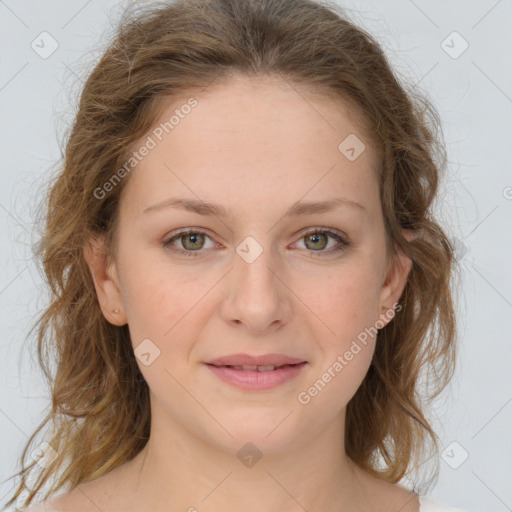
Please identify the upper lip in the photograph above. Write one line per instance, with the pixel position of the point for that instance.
(248, 360)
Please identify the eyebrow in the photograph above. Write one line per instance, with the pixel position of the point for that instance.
(297, 209)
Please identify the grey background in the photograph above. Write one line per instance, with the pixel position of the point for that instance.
(473, 94)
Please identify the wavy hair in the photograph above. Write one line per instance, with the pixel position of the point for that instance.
(100, 408)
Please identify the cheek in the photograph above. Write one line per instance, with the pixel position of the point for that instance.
(158, 308)
(152, 298)
(162, 311)
(347, 301)
(166, 303)
(348, 307)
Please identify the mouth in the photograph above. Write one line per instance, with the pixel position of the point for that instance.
(257, 368)
(256, 378)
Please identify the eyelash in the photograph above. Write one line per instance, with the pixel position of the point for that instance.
(342, 242)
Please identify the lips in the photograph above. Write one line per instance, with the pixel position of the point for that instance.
(254, 367)
(263, 378)
(266, 362)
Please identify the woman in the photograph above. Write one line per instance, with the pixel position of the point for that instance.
(248, 280)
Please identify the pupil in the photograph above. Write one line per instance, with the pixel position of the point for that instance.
(315, 238)
(192, 240)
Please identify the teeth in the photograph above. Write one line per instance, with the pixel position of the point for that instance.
(266, 368)
(254, 367)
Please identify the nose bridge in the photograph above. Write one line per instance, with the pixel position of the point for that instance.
(256, 298)
(254, 265)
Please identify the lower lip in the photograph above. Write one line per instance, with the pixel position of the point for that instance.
(255, 380)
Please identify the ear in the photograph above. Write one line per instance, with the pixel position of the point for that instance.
(396, 278)
(106, 283)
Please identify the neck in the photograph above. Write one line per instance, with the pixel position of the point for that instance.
(182, 471)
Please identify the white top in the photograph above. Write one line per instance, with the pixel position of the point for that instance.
(426, 505)
(429, 505)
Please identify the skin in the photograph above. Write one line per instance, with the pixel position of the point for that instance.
(256, 147)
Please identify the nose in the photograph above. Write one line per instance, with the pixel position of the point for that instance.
(256, 294)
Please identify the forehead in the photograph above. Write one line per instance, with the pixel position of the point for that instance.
(245, 137)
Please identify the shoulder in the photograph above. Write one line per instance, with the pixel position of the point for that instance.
(428, 504)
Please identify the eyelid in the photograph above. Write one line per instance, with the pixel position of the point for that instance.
(323, 229)
(342, 239)
(185, 231)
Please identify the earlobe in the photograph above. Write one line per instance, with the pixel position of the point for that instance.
(105, 280)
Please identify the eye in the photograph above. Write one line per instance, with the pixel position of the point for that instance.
(316, 240)
(192, 241)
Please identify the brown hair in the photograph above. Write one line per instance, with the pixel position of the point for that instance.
(100, 411)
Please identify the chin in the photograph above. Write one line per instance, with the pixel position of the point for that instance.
(268, 436)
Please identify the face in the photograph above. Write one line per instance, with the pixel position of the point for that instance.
(263, 273)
